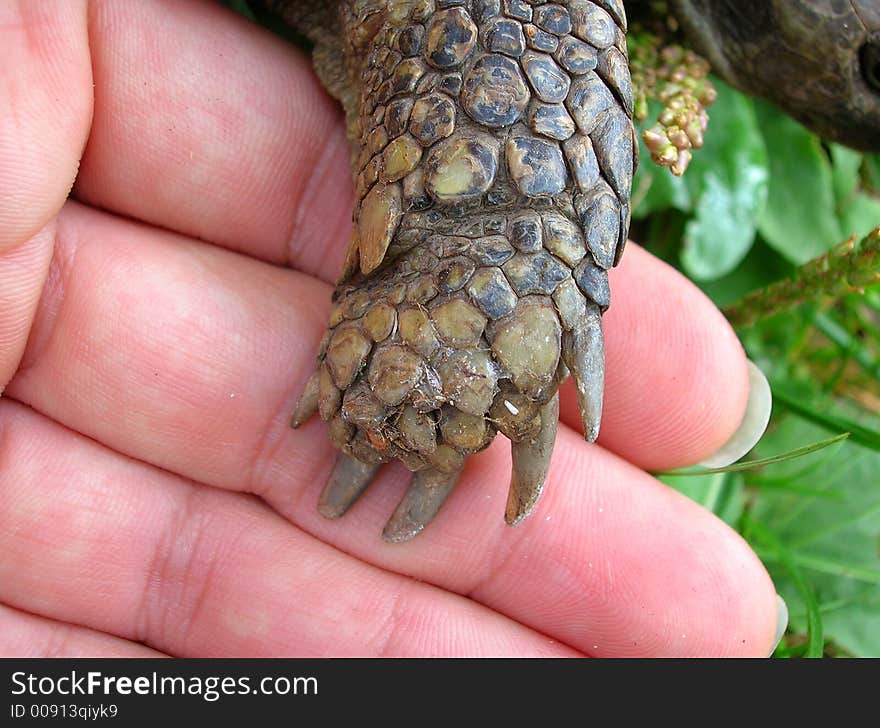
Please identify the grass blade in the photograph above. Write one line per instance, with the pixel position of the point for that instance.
(761, 462)
(815, 632)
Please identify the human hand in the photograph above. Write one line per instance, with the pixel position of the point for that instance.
(157, 328)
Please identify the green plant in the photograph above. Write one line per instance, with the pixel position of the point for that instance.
(757, 222)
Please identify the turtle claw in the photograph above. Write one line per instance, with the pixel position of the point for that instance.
(420, 503)
(531, 460)
(307, 404)
(584, 352)
(347, 482)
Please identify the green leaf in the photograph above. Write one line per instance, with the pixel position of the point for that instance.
(861, 215)
(728, 181)
(723, 494)
(761, 267)
(774, 545)
(817, 411)
(872, 171)
(240, 6)
(845, 167)
(859, 211)
(800, 218)
(823, 552)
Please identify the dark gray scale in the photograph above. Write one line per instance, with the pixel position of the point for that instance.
(613, 67)
(460, 168)
(530, 273)
(536, 166)
(588, 98)
(451, 36)
(550, 82)
(482, 10)
(506, 36)
(582, 161)
(410, 39)
(575, 56)
(491, 250)
(593, 281)
(397, 116)
(539, 39)
(495, 224)
(432, 118)
(599, 213)
(525, 232)
(447, 246)
(518, 9)
(450, 83)
(623, 229)
(471, 228)
(501, 196)
(616, 10)
(551, 120)
(553, 18)
(495, 92)
(594, 25)
(404, 79)
(613, 142)
(490, 290)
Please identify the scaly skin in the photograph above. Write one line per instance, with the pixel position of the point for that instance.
(493, 160)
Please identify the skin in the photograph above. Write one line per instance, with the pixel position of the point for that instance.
(157, 326)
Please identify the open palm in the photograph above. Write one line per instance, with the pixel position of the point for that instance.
(158, 325)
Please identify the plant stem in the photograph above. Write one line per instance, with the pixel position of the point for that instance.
(847, 268)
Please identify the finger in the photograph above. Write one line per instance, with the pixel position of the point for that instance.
(26, 635)
(92, 537)
(209, 125)
(45, 94)
(124, 379)
(611, 562)
(676, 375)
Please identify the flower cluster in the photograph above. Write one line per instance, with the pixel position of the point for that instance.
(677, 78)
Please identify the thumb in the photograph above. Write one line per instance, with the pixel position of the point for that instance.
(45, 113)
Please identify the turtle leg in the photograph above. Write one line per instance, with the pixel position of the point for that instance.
(347, 482)
(427, 492)
(531, 460)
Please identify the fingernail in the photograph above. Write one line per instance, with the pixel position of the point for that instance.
(753, 424)
(781, 622)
